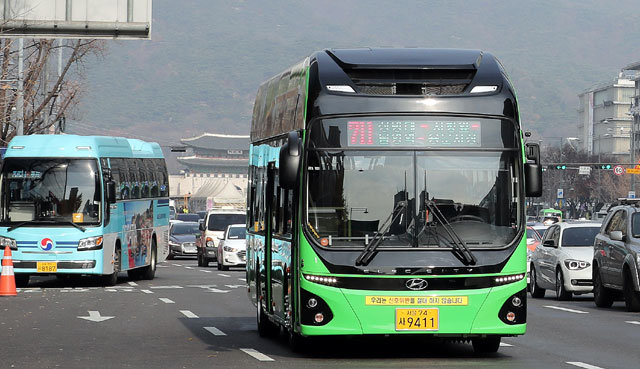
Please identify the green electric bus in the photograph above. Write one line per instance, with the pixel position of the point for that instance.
(386, 197)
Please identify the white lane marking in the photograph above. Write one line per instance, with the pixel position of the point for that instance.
(224, 275)
(132, 283)
(583, 365)
(110, 290)
(188, 314)
(215, 331)
(129, 289)
(76, 289)
(502, 344)
(234, 285)
(188, 267)
(217, 290)
(257, 355)
(566, 309)
(176, 265)
(242, 279)
(162, 266)
(205, 271)
(205, 286)
(146, 291)
(166, 287)
(632, 322)
(166, 300)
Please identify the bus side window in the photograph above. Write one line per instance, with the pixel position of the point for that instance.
(163, 180)
(134, 178)
(146, 171)
(125, 191)
(116, 166)
(154, 190)
(277, 227)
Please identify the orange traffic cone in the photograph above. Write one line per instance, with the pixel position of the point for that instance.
(7, 279)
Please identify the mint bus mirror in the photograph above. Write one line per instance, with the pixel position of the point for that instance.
(290, 161)
(111, 192)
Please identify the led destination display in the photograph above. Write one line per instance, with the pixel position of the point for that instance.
(436, 133)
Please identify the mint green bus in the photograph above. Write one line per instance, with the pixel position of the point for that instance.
(386, 197)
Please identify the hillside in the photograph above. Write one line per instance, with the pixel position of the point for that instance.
(207, 57)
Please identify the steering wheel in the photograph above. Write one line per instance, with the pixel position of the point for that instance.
(460, 218)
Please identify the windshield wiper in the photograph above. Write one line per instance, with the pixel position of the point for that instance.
(460, 248)
(45, 221)
(378, 237)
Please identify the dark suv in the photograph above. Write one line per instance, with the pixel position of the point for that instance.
(616, 257)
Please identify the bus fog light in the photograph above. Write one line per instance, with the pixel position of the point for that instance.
(511, 316)
(516, 301)
(319, 318)
(311, 303)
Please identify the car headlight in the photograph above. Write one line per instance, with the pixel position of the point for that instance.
(210, 242)
(172, 243)
(90, 243)
(6, 241)
(638, 260)
(229, 249)
(576, 264)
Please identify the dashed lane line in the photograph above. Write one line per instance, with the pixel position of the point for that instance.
(242, 279)
(205, 271)
(176, 265)
(224, 275)
(502, 344)
(188, 268)
(146, 291)
(566, 309)
(166, 300)
(189, 314)
(583, 365)
(256, 354)
(632, 322)
(215, 331)
(132, 283)
(165, 287)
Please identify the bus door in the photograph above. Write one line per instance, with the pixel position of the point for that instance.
(276, 262)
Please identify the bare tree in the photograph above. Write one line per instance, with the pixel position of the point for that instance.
(48, 97)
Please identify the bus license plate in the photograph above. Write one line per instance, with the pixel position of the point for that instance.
(47, 266)
(417, 319)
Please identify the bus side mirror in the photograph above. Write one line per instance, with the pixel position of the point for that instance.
(202, 227)
(290, 154)
(111, 192)
(533, 171)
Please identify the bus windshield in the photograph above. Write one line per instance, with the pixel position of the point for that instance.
(50, 191)
(358, 190)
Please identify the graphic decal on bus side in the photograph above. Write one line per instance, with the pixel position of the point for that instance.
(138, 231)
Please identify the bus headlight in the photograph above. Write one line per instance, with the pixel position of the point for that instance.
(6, 241)
(90, 243)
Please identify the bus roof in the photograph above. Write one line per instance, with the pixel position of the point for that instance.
(81, 146)
(384, 80)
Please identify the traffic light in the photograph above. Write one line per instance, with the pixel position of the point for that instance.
(605, 166)
(561, 167)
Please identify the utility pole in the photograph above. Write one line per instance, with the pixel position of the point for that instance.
(20, 99)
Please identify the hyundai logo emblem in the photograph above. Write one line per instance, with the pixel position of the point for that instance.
(416, 284)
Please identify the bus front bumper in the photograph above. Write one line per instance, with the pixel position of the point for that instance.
(468, 313)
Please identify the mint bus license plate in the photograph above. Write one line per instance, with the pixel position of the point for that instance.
(417, 319)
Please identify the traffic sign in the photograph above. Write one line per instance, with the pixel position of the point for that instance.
(584, 169)
(618, 170)
(560, 193)
(633, 171)
(632, 195)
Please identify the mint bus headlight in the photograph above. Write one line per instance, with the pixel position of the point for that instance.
(6, 241)
(90, 243)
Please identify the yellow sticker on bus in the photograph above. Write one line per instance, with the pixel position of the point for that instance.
(417, 300)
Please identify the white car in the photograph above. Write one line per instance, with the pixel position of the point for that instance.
(232, 248)
(563, 261)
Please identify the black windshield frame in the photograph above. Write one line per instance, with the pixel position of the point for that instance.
(80, 202)
(511, 149)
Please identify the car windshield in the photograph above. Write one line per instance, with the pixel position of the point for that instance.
(220, 221)
(532, 235)
(50, 191)
(185, 228)
(579, 236)
(187, 217)
(236, 233)
(353, 192)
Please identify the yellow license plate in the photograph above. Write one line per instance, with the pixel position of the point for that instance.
(47, 267)
(417, 319)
